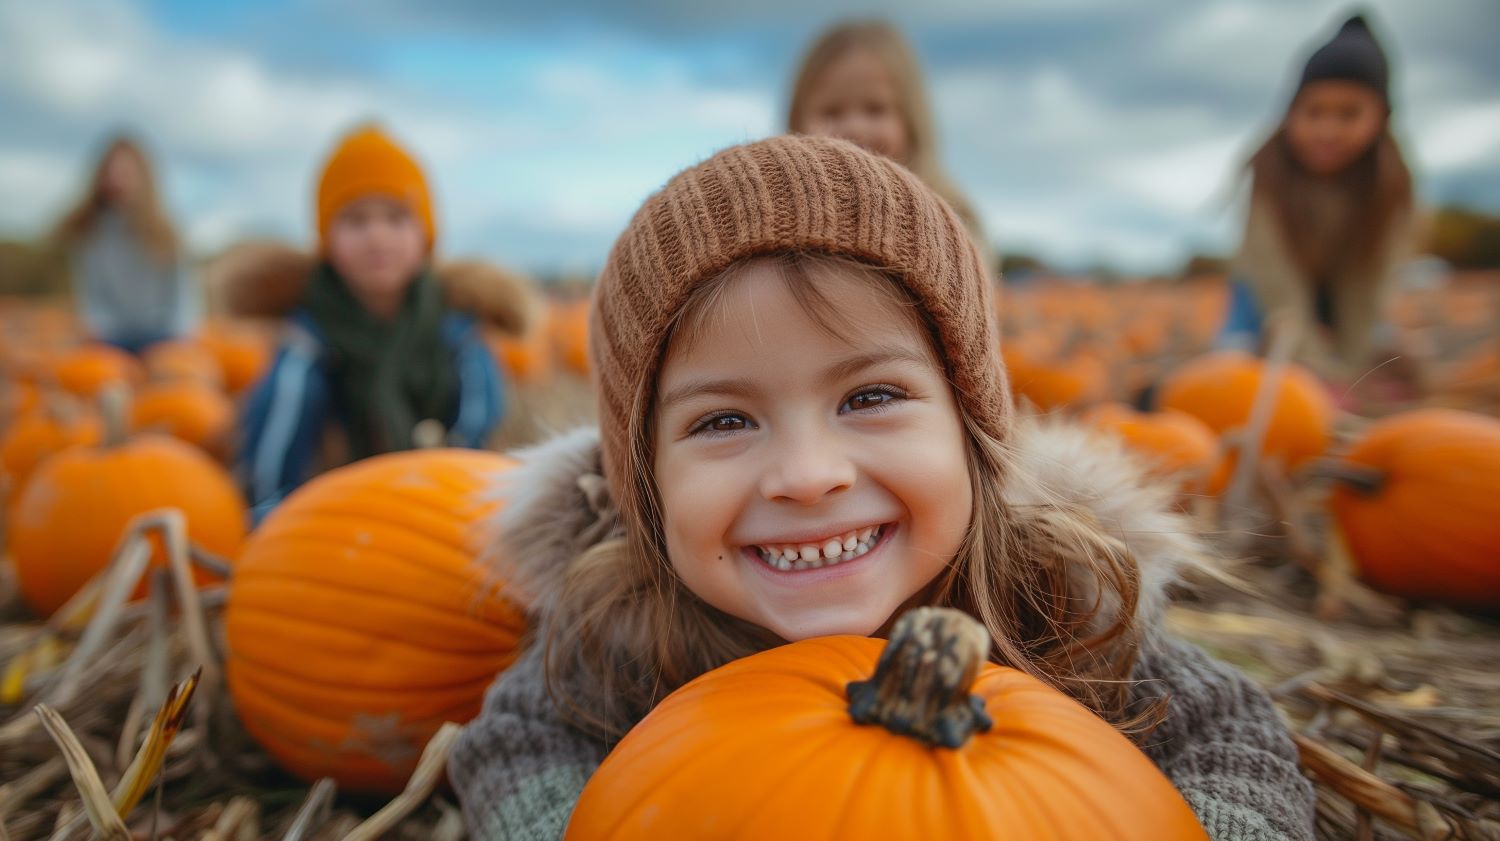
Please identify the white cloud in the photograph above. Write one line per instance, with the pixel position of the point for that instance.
(1059, 153)
(1462, 137)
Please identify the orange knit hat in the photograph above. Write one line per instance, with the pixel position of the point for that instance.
(368, 162)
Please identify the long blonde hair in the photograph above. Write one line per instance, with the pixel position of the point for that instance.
(886, 44)
(1056, 592)
(144, 212)
(1377, 188)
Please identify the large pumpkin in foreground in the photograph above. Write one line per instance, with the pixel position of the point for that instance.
(769, 747)
(1418, 502)
(1220, 388)
(359, 620)
(76, 505)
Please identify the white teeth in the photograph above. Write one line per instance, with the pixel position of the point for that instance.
(809, 556)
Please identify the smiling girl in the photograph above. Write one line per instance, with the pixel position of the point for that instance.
(1331, 214)
(804, 430)
(860, 81)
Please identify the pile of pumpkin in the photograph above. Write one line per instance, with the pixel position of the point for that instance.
(1070, 343)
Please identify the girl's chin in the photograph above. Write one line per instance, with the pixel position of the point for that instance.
(812, 628)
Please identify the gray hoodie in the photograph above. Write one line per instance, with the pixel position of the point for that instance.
(126, 293)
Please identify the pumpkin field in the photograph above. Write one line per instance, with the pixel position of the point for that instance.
(166, 672)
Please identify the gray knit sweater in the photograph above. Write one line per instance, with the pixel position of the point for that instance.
(519, 768)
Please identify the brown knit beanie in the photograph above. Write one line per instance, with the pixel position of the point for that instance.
(786, 193)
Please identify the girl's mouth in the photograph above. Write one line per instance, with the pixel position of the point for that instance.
(827, 553)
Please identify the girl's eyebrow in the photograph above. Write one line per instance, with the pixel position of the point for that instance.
(696, 388)
(884, 355)
(748, 389)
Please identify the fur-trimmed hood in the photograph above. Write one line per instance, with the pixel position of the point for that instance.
(558, 505)
(266, 279)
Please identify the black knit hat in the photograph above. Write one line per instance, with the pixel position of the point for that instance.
(1353, 55)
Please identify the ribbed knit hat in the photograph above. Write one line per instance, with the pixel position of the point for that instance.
(368, 162)
(786, 193)
(1353, 55)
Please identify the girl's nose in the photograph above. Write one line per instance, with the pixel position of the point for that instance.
(806, 471)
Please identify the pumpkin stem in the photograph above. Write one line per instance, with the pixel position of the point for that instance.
(114, 405)
(1364, 480)
(922, 680)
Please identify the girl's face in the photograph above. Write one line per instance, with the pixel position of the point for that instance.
(810, 483)
(1332, 123)
(377, 246)
(855, 99)
(122, 178)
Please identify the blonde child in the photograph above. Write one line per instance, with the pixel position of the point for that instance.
(804, 429)
(1331, 215)
(129, 280)
(860, 81)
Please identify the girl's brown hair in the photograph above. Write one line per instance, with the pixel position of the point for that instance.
(143, 211)
(1377, 188)
(1056, 592)
(887, 45)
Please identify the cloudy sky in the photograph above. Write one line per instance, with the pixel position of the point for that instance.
(1088, 131)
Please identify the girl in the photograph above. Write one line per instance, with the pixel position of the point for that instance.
(374, 342)
(860, 81)
(128, 277)
(1331, 216)
(804, 430)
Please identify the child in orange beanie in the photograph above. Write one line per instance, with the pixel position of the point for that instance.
(373, 343)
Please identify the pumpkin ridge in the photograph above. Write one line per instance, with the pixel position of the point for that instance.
(314, 535)
(269, 699)
(369, 594)
(270, 617)
(272, 680)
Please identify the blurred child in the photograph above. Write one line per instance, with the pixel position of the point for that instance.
(804, 430)
(128, 276)
(860, 81)
(374, 344)
(1331, 215)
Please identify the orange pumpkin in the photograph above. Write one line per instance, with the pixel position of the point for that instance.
(64, 526)
(243, 353)
(1220, 388)
(19, 399)
(1076, 381)
(772, 746)
(189, 410)
(88, 369)
(1174, 443)
(182, 360)
(40, 433)
(570, 333)
(528, 358)
(358, 620)
(1418, 508)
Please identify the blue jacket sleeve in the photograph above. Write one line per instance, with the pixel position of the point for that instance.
(481, 399)
(1242, 325)
(282, 425)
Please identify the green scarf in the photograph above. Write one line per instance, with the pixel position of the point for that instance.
(387, 375)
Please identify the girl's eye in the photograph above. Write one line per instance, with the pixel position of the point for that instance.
(719, 424)
(875, 398)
